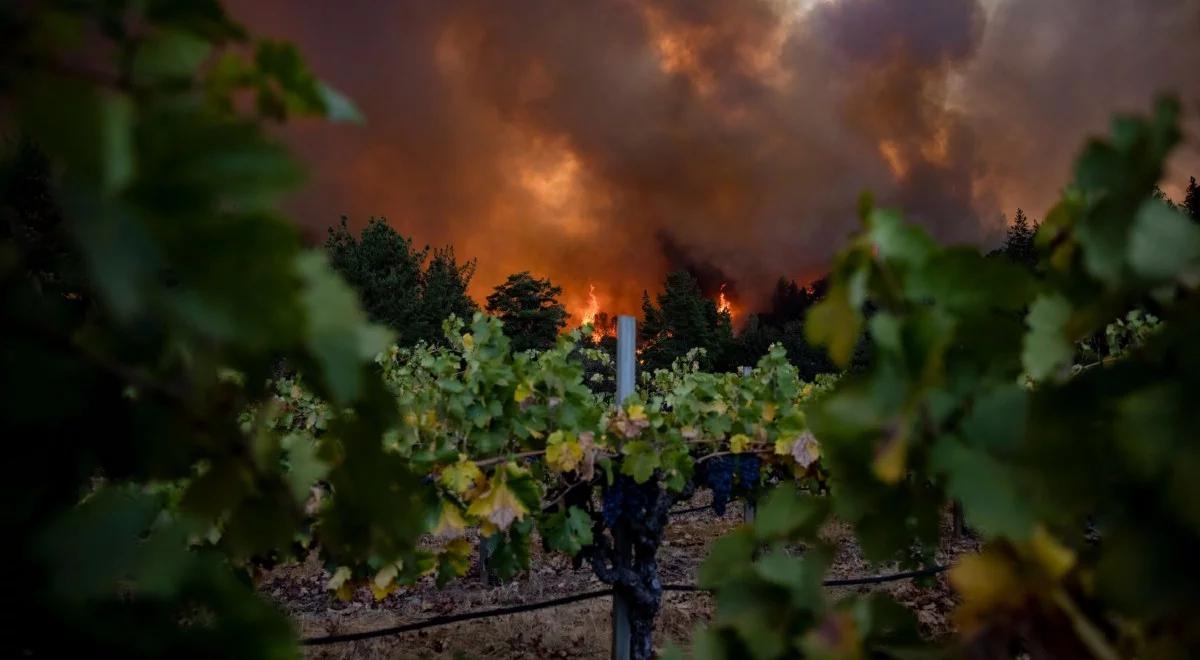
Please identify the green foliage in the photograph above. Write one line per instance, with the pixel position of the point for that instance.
(567, 531)
(147, 286)
(474, 412)
(681, 320)
(1080, 479)
(411, 291)
(783, 324)
(529, 309)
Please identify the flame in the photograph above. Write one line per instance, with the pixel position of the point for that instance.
(591, 315)
(593, 307)
(723, 304)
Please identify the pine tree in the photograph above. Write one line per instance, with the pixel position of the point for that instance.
(384, 269)
(1191, 200)
(530, 310)
(399, 286)
(1018, 243)
(652, 320)
(444, 292)
(681, 320)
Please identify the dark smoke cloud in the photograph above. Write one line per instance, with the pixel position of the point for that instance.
(711, 279)
(606, 142)
(1049, 72)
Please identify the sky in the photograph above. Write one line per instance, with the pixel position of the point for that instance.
(607, 142)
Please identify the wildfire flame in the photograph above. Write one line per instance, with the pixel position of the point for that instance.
(723, 304)
(592, 315)
(593, 308)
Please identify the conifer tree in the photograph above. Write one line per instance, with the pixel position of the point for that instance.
(530, 310)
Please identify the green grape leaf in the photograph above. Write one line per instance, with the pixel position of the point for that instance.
(785, 513)
(835, 324)
(170, 54)
(567, 531)
(995, 283)
(730, 555)
(997, 419)
(510, 555)
(641, 460)
(339, 107)
(89, 128)
(1164, 245)
(93, 546)
(337, 329)
(993, 496)
(1047, 347)
(896, 240)
(305, 466)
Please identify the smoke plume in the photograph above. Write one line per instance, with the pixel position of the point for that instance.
(607, 142)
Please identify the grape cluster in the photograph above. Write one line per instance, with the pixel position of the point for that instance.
(612, 505)
(719, 474)
(748, 469)
(625, 497)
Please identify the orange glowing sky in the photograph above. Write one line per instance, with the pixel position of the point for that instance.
(603, 144)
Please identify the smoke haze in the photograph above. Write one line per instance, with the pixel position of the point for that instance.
(608, 142)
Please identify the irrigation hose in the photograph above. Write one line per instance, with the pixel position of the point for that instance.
(575, 598)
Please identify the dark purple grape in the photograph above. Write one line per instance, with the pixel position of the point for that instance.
(748, 468)
(720, 481)
(635, 497)
(612, 499)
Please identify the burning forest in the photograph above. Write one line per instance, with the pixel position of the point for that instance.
(610, 143)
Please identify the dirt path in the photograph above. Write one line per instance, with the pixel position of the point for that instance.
(577, 630)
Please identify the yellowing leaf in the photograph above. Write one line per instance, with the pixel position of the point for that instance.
(768, 412)
(451, 523)
(339, 582)
(463, 477)
(384, 581)
(468, 341)
(636, 411)
(563, 456)
(718, 406)
(499, 505)
(339, 577)
(1055, 558)
(738, 443)
(986, 582)
(805, 449)
(783, 446)
(837, 636)
(523, 392)
(587, 445)
(835, 323)
(890, 460)
(459, 546)
(429, 418)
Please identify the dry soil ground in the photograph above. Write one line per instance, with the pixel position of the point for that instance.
(578, 630)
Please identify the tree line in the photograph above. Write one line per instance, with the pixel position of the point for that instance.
(412, 290)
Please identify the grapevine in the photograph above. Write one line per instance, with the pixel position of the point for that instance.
(987, 386)
(190, 397)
